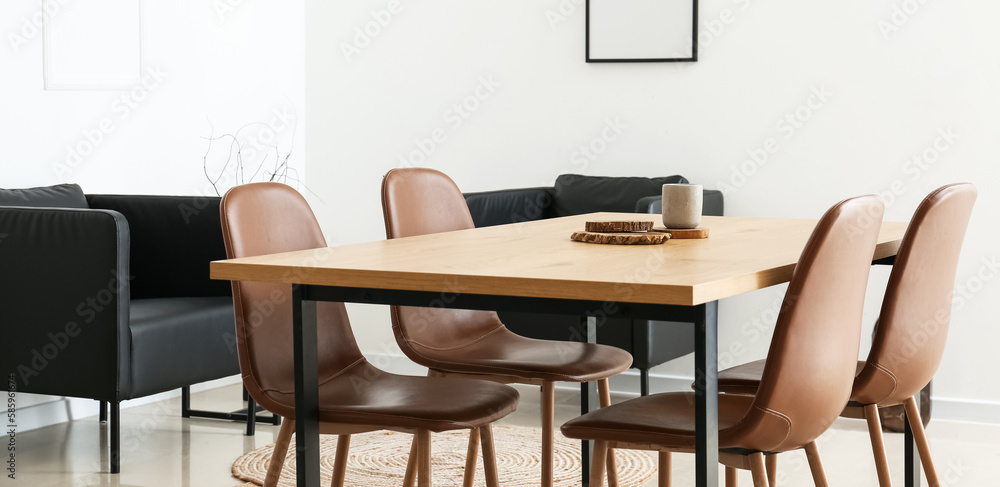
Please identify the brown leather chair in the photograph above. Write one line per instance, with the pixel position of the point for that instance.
(354, 396)
(910, 337)
(807, 376)
(418, 201)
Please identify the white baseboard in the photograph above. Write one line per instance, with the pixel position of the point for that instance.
(44, 411)
(965, 410)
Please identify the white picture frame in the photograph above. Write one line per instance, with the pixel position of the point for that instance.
(642, 31)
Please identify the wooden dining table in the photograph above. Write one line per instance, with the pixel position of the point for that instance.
(534, 266)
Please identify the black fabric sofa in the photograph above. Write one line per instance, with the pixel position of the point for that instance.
(108, 297)
(651, 343)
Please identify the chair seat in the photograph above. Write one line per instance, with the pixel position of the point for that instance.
(503, 352)
(365, 395)
(180, 341)
(741, 379)
(666, 420)
(744, 379)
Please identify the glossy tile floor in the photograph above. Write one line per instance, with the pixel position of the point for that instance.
(161, 449)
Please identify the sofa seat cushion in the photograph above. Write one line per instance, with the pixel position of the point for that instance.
(181, 341)
(576, 194)
(58, 196)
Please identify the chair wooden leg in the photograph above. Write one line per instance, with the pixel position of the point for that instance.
(758, 470)
(920, 436)
(732, 478)
(599, 463)
(279, 453)
(771, 465)
(663, 469)
(548, 425)
(604, 395)
(340, 461)
(471, 456)
(816, 465)
(424, 459)
(489, 456)
(878, 445)
(410, 477)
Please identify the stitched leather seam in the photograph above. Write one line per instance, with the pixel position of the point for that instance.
(892, 377)
(463, 345)
(521, 372)
(384, 415)
(786, 419)
(647, 433)
(227, 235)
(385, 214)
(528, 374)
(345, 370)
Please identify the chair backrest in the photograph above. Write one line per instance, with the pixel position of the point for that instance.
(916, 310)
(420, 201)
(814, 351)
(266, 218)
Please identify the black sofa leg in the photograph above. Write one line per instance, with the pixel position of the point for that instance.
(643, 382)
(186, 402)
(246, 395)
(251, 417)
(116, 437)
(103, 406)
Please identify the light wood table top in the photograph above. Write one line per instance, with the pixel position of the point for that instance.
(538, 259)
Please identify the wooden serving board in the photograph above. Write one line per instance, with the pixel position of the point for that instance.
(636, 238)
(682, 232)
(618, 226)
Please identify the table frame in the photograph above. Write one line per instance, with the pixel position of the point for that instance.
(703, 316)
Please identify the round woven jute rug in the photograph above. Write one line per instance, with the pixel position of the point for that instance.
(379, 459)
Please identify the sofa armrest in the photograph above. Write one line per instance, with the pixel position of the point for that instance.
(504, 206)
(712, 203)
(173, 240)
(65, 312)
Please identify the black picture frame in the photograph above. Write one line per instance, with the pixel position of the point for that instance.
(668, 57)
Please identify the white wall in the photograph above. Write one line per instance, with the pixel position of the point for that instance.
(873, 87)
(225, 62)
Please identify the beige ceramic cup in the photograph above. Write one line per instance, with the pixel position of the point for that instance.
(682, 205)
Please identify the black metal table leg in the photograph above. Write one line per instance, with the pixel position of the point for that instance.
(588, 396)
(706, 380)
(912, 461)
(306, 390)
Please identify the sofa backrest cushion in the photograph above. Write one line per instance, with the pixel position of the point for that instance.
(58, 196)
(576, 194)
(504, 206)
(173, 240)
